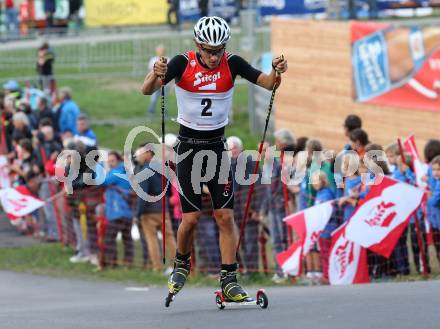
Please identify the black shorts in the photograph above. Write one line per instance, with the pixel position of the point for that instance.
(220, 186)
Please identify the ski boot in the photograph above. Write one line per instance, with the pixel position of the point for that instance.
(177, 279)
(231, 290)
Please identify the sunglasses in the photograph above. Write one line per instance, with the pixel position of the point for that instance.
(213, 52)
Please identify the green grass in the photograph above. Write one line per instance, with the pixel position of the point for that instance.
(52, 260)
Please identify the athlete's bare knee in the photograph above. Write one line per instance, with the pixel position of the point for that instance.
(190, 220)
(224, 218)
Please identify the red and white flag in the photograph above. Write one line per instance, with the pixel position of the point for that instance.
(17, 204)
(380, 220)
(347, 260)
(420, 168)
(310, 222)
(290, 260)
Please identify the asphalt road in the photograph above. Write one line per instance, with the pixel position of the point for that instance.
(36, 302)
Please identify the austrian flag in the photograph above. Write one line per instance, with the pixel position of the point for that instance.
(347, 261)
(290, 260)
(17, 204)
(380, 220)
(308, 224)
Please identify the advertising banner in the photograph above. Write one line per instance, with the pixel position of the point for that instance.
(391, 4)
(189, 10)
(397, 66)
(129, 12)
(227, 9)
(286, 7)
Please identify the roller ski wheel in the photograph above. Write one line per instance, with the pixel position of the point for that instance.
(261, 300)
(169, 299)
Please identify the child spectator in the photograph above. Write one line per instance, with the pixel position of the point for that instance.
(434, 203)
(25, 161)
(359, 140)
(301, 189)
(374, 159)
(432, 151)
(323, 194)
(392, 151)
(351, 123)
(315, 163)
(352, 184)
(30, 186)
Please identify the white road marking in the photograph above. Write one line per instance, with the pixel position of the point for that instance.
(137, 289)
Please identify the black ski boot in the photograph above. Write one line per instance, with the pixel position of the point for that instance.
(232, 291)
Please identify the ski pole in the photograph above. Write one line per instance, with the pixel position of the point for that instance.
(162, 107)
(257, 164)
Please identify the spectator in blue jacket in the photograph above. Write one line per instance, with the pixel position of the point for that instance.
(117, 211)
(352, 182)
(68, 113)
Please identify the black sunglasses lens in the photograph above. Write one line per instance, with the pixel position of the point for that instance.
(213, 52)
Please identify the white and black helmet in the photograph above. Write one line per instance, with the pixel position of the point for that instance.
(212, 31)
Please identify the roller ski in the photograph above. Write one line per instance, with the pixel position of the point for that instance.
(232, 294)
(260, 300)
(177, 279)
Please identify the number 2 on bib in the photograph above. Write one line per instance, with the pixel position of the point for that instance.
(206, 102)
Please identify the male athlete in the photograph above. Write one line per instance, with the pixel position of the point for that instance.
(204, 90)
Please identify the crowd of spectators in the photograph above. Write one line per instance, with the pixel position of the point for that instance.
(18, 16)
(34, 134)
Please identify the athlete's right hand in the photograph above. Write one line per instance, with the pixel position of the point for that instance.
(160, 68)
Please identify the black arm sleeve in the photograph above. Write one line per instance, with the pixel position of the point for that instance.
(241, 67)
(176, 67)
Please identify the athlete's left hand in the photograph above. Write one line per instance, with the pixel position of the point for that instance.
(279, 64)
